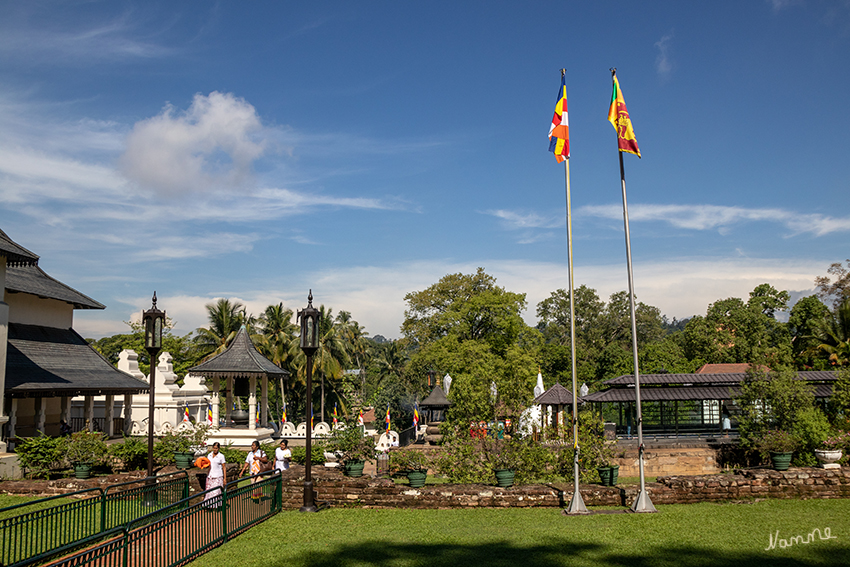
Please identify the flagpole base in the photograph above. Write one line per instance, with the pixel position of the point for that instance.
(642, 503)
(577, 505)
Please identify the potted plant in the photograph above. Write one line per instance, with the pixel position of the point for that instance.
(780, 445)
(831, 450)
(84, 450)
(412, 463)
(180, 446)
(505, 456)
(355, 448)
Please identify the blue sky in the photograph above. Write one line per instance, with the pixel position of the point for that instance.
(364, 150)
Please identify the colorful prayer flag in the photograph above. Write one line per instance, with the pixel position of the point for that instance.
(559, 131)
(618, 116)
(186, 414)
(336, 420)
(209, 414)
(360, 418)
(283, 414)
(415, 416)
(387, 419)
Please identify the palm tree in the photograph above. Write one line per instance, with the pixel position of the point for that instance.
(278, 341)
(391, 358)
(835, 335)
(225, 319)
(354, 338)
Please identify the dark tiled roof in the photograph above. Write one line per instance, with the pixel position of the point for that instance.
(50, 362)
(731, 378)
(32, 279)
(556, 395)
(436, 398)
(16, 255)
(241, 359)
(661, 393)
(725, 368)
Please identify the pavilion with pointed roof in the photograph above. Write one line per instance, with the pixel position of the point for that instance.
(241, 365)
(557, 398)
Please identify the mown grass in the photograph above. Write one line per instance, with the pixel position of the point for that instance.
(710, 535)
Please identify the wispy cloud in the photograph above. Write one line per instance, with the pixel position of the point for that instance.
(517, 220)
(662, 61)
(711, 217)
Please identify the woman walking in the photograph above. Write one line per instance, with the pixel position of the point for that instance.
(217, 476)
(255, 461)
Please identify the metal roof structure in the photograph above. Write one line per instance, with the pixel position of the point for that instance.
(709, 379)
(240, 360)
(681, 394)
(435, 399)
(29, 278)
(50, 362)
(16, 255)
(557, 395)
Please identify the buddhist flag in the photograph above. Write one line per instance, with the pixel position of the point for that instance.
(618, 116)
(336, 420)
(387, 419)
(209, 414)
(360, 418)
(415, 416)
(283, 414)
(186, 414)
(559, 131)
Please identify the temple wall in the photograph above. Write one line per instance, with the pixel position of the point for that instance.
(28, 309)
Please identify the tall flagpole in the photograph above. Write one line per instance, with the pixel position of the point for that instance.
(642, 503)
(577, 502)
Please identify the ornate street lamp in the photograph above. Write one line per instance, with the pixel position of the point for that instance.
(153, 319)
(309, 318)
(432, 378)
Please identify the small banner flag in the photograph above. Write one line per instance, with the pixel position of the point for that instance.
(257, 418)
(209, 414)
(387, 419)
(186, 414)
(311, 419)
(283, 414)
(559, 131)
(618, 116)
(415, 416)
(360, 418)
(336, 419)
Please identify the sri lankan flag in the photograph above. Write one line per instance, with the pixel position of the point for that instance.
(559, 131)
(618, 116)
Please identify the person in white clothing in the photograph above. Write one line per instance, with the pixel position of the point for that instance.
(282, 456)
(217, 476)
(254, 461)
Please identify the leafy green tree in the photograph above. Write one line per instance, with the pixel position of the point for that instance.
(734, 331)
(807, 317)
(834, 334)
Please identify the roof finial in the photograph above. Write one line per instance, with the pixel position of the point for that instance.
(310, 299)
(154, 300)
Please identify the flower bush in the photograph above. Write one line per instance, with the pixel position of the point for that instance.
(776, 441)
(352, 443)
(408, 459)
(838, 441)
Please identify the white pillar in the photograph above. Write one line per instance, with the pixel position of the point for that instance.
(128, 414)
(215, 402)
(228, 403)
(88, 412)
(265, 401)
(109, 411)
(252, 403)
(13, 417)
(40, 417)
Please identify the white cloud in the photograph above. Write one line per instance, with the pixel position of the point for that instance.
(514, 220)
(375, 294)
(662, 62)
(710, 217)
(212, 145)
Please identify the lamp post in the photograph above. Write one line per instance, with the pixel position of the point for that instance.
(309, 318)
(432, 378)
(153, 320)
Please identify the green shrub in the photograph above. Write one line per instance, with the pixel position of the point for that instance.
(86, 447)
(133, 452)
(812, 429)
(39, 455)
(231, 455)
(299, 454)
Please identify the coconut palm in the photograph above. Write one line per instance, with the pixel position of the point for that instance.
(835, 335)
(225, 319)
(356, 345)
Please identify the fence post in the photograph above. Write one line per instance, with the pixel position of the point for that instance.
(224, 513)
(102, 510)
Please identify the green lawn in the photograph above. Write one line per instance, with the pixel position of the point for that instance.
(710, 535)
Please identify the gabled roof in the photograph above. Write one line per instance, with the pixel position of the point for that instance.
(16, 255)
(51, 362)
(727, 368)
(436, 398)
(33, 280)
(557, 395)
(241, 359)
